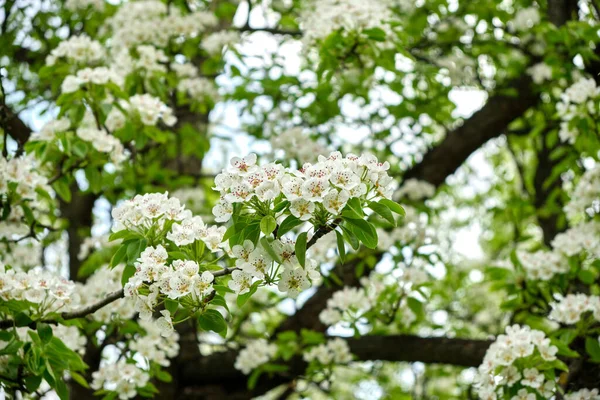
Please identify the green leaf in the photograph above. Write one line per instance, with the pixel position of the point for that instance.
(341, 246)
(350, 238)
(353, 209)
(219, 300)
(134, 249)
(118, 235)
(281, 206)
(128, 272)
(586, 276)
(592, 346)
(61, 186)
(118, 256)
(376, 34)
(94, 177)
(44, 331)
(164, 376)
(80, 149)
(79, 379)
(32, 383)
(392, 205)
(301, 248)
(212, 320)
(253, 379)
(171, 306)
(384, 211)
(288, 224)
(266, 244)
(268, 224)
(563, 349)
(243, 298)
(364, 231)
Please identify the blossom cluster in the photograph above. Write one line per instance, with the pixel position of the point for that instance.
(335, 351)
(415, 190)
(77, 49)
(100, 139)
(297, 145)
(540, 73)
(46, 291)
(180, 278)
(51, 129)
(21, 175)
(569, 309)
(255, 354)
(351, 301)
(505, 364)
(414, 231)
(325, 17)
(324, 186)
(122, 377)
(152, 21)
(579, 100)
(22, 256)
(580, 238)
(255, 262)
(199, 89)
(145, 211)
(583, 394)
(154, 346)
(525, 19)
(542, 264)
(214, 42)
(586, 194)
(96, 76)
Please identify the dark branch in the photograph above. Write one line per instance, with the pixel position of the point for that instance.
(487, 123)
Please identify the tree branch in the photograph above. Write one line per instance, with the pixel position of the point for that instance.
(487, 123)
(217, 369)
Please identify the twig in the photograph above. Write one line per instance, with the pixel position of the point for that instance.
(73, 314)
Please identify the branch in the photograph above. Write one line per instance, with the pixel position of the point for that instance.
(217, 369)
(82, 312)
(487, 123)
(275, 31)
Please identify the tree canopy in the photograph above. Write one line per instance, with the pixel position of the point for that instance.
(346, 199)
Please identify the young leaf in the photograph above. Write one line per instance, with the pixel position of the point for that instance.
(118, 256)
(44, 331)
(392, 205)
(128, 272)
(212, 320)
(364, 231)
(384, 211)
(268, 224)
(288, 224)
(301, 248)
(341, 246)
(266, 244)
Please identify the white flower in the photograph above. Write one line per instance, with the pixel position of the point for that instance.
(315, 189)
(293, 281)
(256, 353)
(334, 201)
(242, 252)
(165, 324)
(70, 84)
(244, 165)
(202, 284)
(523, 394)
(240, 282)
(302, 209)
(258, 264)
(222, 211)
